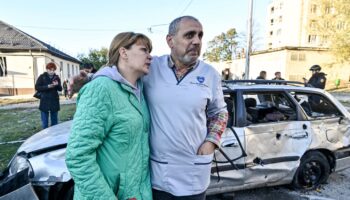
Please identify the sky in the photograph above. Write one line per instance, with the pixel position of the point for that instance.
(76, 26)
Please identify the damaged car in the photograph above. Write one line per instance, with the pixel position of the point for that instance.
(277, 133)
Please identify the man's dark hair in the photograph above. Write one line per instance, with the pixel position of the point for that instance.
(174, 25)
(88, 65)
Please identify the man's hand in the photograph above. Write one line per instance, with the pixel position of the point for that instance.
(206, 148)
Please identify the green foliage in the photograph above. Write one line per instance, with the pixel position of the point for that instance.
(97, 57)
(222, 46)
(332, 23)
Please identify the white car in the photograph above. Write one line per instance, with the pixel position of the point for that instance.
(277, 134)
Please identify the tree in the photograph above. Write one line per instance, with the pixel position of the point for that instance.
(97, 57)
(332, 24)
(222, 47)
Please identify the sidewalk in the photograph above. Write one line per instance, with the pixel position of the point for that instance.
(32, 104)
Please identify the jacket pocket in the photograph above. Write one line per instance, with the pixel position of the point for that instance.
(201, 172)
(159, 171)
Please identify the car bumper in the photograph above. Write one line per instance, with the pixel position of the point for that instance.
(342, 159)
(17, 187)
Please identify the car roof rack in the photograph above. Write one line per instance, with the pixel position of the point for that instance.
(261, 82)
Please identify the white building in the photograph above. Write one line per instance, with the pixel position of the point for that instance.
(293, 23)
(293, 45)
(23, 58)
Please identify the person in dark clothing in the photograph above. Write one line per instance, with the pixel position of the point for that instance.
(89, 68)
(49, 84)
(226, 74)
(262, 75)
(65, 88)
(278, 78)
(318, 79)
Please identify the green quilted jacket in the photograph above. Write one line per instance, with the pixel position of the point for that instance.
(108, 150)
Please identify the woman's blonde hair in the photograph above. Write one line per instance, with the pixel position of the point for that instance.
(126, 40)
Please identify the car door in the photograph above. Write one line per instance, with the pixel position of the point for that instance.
(229, 160)
(330, 127)
(275, 137)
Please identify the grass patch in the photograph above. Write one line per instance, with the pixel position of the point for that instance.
(4, 102)
(19, 124)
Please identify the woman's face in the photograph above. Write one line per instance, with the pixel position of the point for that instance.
(139, 58)
(50, 71)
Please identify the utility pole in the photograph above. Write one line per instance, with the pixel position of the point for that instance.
(249, 40)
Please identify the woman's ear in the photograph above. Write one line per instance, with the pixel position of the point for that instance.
(123, 53)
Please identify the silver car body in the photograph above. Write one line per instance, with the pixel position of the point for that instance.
(263, 154)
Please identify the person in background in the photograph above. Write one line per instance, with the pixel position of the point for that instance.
(89, 69)
(108, 148)
(278, 76)
(65, 88)
(262, 75)
(226, 74)
(49, 84)
(318, 78)
(188, 115)
(80, 80)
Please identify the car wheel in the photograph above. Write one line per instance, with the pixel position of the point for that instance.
(314, 169)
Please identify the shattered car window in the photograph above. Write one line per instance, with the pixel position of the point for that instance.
(262, 107)
(316, 106)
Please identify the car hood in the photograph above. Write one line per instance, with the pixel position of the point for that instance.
(49, 137)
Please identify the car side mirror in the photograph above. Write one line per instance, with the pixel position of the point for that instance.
(340, 119)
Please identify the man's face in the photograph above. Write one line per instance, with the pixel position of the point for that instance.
(88, 70)
(186, 44)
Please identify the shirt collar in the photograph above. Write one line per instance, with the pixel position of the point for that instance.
(171, 63)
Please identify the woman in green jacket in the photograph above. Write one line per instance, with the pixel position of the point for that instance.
(108, 151)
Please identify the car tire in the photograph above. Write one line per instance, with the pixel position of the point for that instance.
(313, 170)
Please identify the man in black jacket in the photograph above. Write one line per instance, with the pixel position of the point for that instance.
(318, 78)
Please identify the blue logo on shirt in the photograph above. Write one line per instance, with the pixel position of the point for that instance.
(200, 79)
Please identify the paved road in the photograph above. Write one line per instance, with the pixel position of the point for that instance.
(337, 188)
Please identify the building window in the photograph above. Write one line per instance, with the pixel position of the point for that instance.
(272, 10)
(68, 70)
(297, 56)
(279, 31)
(61, 66)
(301, 57)
(281, 5)
(280, 19)
(341, 25)
(3, 67)
(313, 8)
(271, 33)
(313, 24)
(271, 22)
(327, 24)
(324, 39)
(312, 39)
(270, 45)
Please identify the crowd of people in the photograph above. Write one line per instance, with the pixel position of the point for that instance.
(145, 127)
(318, 79)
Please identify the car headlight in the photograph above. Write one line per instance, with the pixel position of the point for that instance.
(18, 164)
